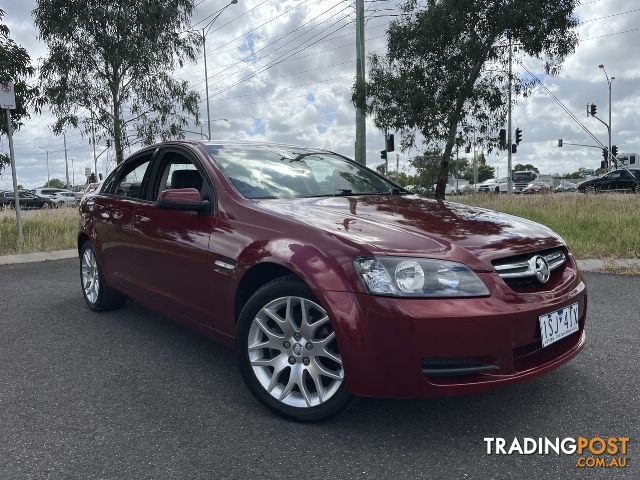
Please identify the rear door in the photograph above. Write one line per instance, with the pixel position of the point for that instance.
(172, 247)
(113, 211)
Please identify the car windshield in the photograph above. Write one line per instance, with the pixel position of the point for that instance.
(287, 172)
(521, 177)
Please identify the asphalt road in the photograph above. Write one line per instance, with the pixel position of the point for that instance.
(132, 395)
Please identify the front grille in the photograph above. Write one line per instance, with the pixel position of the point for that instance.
(520, 271)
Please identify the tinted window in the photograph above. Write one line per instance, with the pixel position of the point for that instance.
(132, 178)
(178, 171)
(282, 172)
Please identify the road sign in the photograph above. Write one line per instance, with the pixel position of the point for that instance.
(87, 171)
(7, 96)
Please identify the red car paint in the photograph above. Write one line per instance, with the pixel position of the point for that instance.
(167, 261)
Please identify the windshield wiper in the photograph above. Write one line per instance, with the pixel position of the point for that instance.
(342, 192)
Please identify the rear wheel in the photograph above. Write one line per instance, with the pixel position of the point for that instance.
(288, 353)
(97, 294)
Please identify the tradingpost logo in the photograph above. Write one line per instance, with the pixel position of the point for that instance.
(591, 452)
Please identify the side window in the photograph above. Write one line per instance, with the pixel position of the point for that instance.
(178, 171)
(132, 179)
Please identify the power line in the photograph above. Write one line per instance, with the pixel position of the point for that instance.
(220, 107)
(273, 64)
(297, 49)
(611, 34)
(235, 18)
(228, 66)
(609, 16)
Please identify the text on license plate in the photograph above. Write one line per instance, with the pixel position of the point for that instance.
(557, 325)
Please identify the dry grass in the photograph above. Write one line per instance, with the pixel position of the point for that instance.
(595, 226)
(602, 226)
(44, 230)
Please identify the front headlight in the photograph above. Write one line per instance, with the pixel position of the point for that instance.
(418, 277)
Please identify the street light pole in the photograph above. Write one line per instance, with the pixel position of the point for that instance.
(609, 80)
(204, 51)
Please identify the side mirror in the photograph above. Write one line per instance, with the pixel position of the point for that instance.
(183, 199)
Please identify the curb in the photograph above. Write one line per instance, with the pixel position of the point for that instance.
(38, 257)
(586, 265)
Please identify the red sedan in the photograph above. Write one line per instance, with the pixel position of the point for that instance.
(329, 280)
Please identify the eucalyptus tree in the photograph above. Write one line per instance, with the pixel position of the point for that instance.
(110, 64)
(15, 66)
(445, 70)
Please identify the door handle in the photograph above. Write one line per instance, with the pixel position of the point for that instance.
(142, 219)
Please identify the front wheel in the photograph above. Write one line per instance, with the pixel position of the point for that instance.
(288, 354)
(97, 294)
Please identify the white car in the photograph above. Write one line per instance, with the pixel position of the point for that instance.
(448, 189)
(497, 185)
(64, 198)
(48, 192)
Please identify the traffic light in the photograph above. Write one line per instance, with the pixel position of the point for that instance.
(383, 154)
(389, 143)
(503, 138)
(467, 149)
(604, 154)
(593, 110)
(614, 150)
(560, 142)
(514, 148)
(518, 136)
(603, 165)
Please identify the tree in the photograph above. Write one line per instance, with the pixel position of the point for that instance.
(526, 166)
(15, 66)
(55, 183)
(485, 172)
(111, 62)
(445, 69)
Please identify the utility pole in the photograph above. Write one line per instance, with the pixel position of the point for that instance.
(475, 160)
(361, 133)
(47, 152)
(16, 197)
(73, 174)
(509, 185)
(66, 162)
(93, 133)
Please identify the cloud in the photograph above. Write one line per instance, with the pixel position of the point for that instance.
(283, 72)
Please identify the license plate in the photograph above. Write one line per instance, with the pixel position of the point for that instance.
(556, 325)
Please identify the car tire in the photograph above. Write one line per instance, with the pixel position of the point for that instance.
(295, 353)
(590, 189)
(97, 294)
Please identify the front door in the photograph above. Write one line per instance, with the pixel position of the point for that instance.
(174, 245)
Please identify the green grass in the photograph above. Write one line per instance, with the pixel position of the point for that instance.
(44, 230)
(605, 226)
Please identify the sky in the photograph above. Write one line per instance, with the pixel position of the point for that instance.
(305, 98)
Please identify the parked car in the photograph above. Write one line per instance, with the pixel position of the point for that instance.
(27, 200)
(499, 185)
(48, 192)
(620, 179)
(64, 198)
(329, 280)
(448, 189)
(565, 187)
(536, 188)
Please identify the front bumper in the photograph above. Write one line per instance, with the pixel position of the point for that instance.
(389, 345)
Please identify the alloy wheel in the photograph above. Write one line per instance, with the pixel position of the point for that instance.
(293, 352)
(90, 276)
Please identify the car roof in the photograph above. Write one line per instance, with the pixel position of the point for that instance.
(238, 143)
